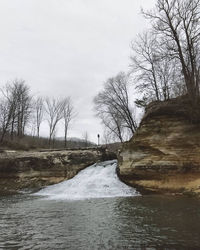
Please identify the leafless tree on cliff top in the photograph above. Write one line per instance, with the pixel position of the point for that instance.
(54, 111)
(39, 113)
(156, 76)
(24, 106)
(113, 122)
(177, 24)
(4, 117)
(18, 105)
(68, 115)
(86, 138)
(113, 108)
(144, 63)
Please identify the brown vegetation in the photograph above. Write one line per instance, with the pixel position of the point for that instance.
(180, 106)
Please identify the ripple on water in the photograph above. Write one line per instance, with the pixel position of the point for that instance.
(128, 222)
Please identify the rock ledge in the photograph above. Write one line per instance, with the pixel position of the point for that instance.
(19, 170)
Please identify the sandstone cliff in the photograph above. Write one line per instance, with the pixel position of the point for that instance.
(37, 169)
(164, 154)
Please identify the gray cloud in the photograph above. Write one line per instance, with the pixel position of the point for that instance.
(68, 47)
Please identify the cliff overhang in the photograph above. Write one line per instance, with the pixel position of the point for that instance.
(164, 154)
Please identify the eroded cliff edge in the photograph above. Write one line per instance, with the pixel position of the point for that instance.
(164, 155)
(19, 170)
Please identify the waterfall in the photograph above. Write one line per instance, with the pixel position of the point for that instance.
(97, 181)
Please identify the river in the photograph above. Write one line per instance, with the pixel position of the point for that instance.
(94, 210)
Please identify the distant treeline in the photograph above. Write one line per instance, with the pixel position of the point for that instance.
(28, 142)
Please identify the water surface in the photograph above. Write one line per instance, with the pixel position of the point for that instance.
(100, 213)
(28, 222)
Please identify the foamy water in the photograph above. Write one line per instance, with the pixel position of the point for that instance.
(97, 181)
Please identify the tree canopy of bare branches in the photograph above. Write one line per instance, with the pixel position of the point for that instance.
(39, 113)
(17, 101)
(54, 113)
(176, 22)
(68, 115)
(113, 107)
(22, 114)
(156, 76)
(86, 138)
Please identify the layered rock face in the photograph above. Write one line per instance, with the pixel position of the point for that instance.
(37, 169)
(164, 154)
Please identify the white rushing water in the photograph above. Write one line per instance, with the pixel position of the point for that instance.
(97, 181)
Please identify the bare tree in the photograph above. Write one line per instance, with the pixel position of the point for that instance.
(86, 138)
(113, 122)
(54, 111)
(39, 113)
(106, 137)
(9, 104)
(68, 115)
(155, 75)
(4, 117)
(24, 108)
(177, 24)
(23, 105)
(144, 63)
(18, 104)
(113, 108)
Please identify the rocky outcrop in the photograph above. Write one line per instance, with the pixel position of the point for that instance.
(37, 169)
(164, 154)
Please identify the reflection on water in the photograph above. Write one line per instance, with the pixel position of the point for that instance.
(109, 223)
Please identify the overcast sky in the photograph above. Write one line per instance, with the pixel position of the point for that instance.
(68, 48)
